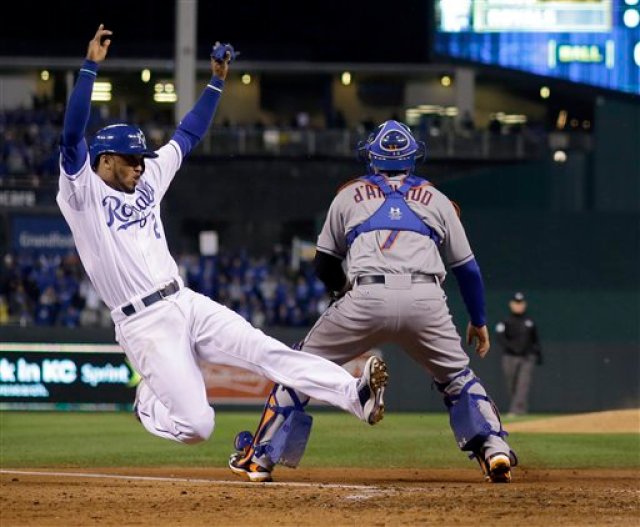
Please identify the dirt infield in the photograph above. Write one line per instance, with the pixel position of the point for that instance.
(345, 497)
(333, 497)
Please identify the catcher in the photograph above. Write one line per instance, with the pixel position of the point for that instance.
(395, 232)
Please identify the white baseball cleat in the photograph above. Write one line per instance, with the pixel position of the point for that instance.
(371, 389)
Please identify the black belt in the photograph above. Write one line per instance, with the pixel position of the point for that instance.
(168, 290)
(380, 279)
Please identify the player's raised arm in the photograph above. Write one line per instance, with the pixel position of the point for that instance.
(73, 147)
(197, 121)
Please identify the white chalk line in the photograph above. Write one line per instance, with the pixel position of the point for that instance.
(217, 482)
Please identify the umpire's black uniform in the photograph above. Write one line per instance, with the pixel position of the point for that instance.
(518, 336)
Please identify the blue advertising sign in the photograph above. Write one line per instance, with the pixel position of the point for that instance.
(41, 234)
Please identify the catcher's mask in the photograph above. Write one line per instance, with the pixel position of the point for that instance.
(124, 139)
(391, 147)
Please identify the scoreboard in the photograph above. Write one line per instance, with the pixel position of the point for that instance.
(592, 42)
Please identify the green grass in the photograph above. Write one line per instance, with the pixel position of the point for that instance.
(68, 439)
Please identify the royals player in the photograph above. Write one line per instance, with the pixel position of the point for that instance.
(110, 195)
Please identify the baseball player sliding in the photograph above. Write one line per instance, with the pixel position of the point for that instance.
(395, 231)
(110, 194)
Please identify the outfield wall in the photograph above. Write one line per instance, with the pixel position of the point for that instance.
(573, 378)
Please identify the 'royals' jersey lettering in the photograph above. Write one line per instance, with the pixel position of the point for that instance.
(124, 215)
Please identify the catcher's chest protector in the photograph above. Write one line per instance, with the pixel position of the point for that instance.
(394, 214)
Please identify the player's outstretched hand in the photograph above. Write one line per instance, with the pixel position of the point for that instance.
(481, 338)
(221, 56)
(97, 50)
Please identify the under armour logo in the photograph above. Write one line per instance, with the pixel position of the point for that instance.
(395, 213)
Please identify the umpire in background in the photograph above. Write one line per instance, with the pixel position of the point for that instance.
(518, 336)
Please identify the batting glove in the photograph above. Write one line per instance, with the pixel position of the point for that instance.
(219, 51)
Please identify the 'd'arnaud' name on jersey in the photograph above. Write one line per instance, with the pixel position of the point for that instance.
(124, 215)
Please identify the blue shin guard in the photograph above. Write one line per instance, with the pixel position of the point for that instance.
(470, 415)
(468, 423)
(282, 434)
(288, 443)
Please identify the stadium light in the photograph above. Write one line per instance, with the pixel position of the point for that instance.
(560, 156)
(101, 91)
(245, 79)
(631, 18)
(545, 92)
(145, 75)
(346, 78)
(445, 80)
(44, 75)
(164, 92)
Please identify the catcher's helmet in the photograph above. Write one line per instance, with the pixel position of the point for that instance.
(119, 139)
(392, 147)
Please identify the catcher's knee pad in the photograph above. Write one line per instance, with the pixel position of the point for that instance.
(283, 431)
(472, 414)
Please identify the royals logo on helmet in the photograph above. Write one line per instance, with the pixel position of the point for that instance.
(120, 138)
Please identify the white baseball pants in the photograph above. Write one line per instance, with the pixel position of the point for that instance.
(164, 340)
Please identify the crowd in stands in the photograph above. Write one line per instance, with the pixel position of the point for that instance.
(29, 137)
(41, 290)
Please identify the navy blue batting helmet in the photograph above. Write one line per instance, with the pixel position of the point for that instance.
(392, 147)
(121, 138)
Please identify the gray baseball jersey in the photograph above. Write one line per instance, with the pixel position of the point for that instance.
(413, 314)
(410, 252)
